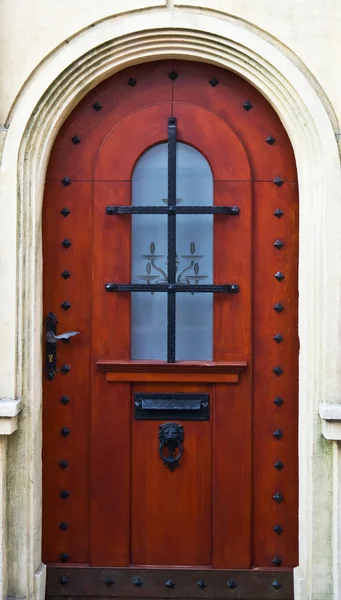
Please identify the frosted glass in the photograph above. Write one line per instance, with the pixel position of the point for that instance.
(194, 246)
(149, 256)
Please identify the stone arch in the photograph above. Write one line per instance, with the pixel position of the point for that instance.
(46, 99)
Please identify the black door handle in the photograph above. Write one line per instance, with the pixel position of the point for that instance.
(51, 344)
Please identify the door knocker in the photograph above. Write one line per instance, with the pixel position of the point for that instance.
(171, 436)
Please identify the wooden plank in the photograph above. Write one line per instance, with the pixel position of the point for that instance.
(76, 289)
(268, 417)
(171, 511)
(176, 377)
(89, 582)
(110, 481)
(232, 480)
(160, 366)
(232, 262)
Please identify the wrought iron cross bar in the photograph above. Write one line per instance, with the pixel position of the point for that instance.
(177, 210)
(171, 210)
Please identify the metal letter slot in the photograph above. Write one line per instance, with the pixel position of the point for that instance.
(186, 407)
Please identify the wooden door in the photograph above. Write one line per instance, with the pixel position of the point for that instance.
(170, 420)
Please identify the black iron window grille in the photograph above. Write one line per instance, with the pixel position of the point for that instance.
(172, 209)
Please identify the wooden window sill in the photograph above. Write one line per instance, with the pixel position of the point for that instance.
(182, 371)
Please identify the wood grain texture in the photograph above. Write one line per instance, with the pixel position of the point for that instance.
(267, 386)
(217, 510)
(171, 511)
(254, 126)
(76, 384)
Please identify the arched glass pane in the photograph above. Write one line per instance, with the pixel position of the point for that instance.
(194, 240)
(194, 247)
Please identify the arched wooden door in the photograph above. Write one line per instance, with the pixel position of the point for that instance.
(170, 233)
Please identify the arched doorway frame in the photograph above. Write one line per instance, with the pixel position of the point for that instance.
(47, 98)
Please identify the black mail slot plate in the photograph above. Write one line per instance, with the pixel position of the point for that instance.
(187, 407)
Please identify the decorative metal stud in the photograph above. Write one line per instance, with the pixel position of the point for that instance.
(65, 305)
(132, 81)
(108, 581)
(65, 431)
(278, 338)
(66, 181)
(277, 370)
(231, 584)
(97, 106)
(65, 400)
(64, 494)
(278, 401)
(278, 529)
(270, 140)
(277, 561)
(63, 463)
(213, 82)
(65, 212)
(64, 556)
(170, 584)
(202, 584)
(173, 75)
(278, 213)
(63, 526)
(65, 368)
(278, 434)
(279, 244)
(76, 140)
(276, 585)
(66, 274)
(138, 581)
(279, 276)
(278, 181)
(278, 497)
(278, 307)
(66, 243)
(247, 105)
(278, 465)
(64, 580)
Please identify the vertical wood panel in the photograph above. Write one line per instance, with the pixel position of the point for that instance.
(232, 475)
(267, 386)
(110, 456)
(232, 264)
(171, 511)
(110, 482)
(76, 384)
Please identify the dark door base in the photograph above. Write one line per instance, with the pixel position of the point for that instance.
(95, 582)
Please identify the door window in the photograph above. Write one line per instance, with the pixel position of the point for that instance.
(193, 260)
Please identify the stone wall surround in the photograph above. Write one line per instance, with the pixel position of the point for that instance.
(54, 87)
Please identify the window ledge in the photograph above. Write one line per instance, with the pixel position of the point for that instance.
(331, 421)
(9, 410)
(182, 371)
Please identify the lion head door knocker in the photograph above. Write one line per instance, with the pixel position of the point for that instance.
(171, 436)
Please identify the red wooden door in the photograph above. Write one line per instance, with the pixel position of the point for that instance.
(126, 513)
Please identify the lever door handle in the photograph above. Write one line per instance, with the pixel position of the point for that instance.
(52, 338)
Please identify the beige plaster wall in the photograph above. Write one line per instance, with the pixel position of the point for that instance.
(32, 29)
